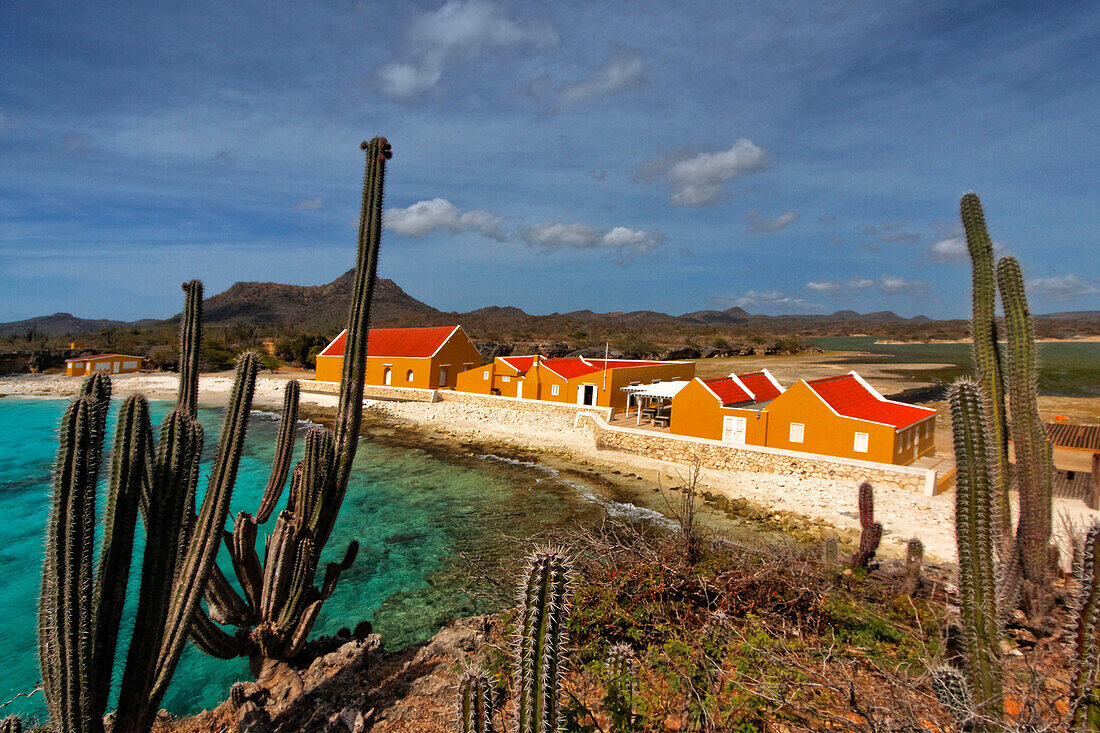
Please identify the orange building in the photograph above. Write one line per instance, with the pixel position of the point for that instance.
(104, 363)
(732, 409)
(846, 417)
(424, 358)
(576, 380)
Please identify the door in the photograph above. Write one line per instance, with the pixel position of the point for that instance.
(387, 375)
(733, 429)
(116, 367)
(519, 390)
(442, 376)
(586, 394)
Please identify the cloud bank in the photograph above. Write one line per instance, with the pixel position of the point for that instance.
(696, 180)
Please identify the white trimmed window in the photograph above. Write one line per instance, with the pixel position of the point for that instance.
(129, 365)
(506, 378)
(554, 389)
(798, 432)
(409, 375)
(485, 375)
(860, 443)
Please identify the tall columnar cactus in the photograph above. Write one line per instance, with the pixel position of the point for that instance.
(1033, 464)
(870, 530)
(987, 356)
(974, 536)
(618, 703)
(544, 601)
(475, 702)
(80, 611)
(280, 603)
(1084, 695)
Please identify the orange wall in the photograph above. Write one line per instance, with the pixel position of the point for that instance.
(697, 412)
(458, 354)
(614, 396)
(106, 366)
(825, 432)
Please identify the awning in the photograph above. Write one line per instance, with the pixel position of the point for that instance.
(658, 391)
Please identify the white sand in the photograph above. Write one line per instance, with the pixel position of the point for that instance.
(904, 514)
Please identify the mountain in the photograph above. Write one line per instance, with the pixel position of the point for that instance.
(65, 324)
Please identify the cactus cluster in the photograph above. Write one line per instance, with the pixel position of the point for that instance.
(280, 601)
(870, 531)
(80, 610)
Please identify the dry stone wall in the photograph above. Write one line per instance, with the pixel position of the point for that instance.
(522, 405)
(370, 391)
(715, 455)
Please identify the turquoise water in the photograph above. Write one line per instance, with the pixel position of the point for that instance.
(1066, 368)
(414, 514)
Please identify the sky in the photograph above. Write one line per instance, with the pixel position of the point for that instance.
(784, 157)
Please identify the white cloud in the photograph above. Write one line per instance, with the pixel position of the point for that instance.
(627, 242)
(756, 224)
(425, 217)
(954, 248)
(458, 28)
(1062, 287)
(309, 204)
(696, 180)
(622, 72)
(763, 298)
(888, 284)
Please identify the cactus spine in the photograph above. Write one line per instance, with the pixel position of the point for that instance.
(987, 356)
(280, 602)
(1084, 696)
(870, 530)
(619, 700)
(79, 613)
(1034, 467)
(974, 534)
(544, 600)
(475, 702)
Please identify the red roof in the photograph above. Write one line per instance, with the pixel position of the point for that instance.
(575, 366)
(761, 386)
(409, 343)
(728, 390)
(520, 363)
(102, 356)
(852, 397)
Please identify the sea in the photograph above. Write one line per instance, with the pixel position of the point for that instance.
(419, 518)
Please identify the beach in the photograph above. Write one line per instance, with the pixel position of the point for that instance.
(823, 507)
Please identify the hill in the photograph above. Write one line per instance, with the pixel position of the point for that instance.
(65, 324)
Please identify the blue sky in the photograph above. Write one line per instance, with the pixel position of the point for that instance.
(787, 157)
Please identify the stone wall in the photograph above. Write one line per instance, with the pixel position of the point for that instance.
(523, 405)
(723, 457)
(370, 391)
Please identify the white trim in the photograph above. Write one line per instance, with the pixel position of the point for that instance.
(444, 341)
(324, 351)
(849, 417)
(743, 386)
(801, 432)
(773, 380)
(866, 442)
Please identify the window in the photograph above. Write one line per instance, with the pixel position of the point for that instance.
(554, 389)
(387, 375)
(409, 375)
(798, 432)
(506, 379)
(485, 375)
(129, 365)
(861, 443)
(908, 438)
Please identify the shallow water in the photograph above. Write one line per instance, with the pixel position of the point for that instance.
(415, 514)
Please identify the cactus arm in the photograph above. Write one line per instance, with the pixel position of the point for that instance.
(284, 449)
(225, 604)
(120, 520)
(974, 535)
(870, 530)
(334, 569)
(246, 563)
(350, 410)
(190, 347)
(986, 352)
(297, 640)
(301, 583)
(540, 647)
(1086, 657)
(65, 615)
(210, 638)
(475, 702)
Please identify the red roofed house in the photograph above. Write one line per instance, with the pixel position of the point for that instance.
(424, 358)
(576, 380)
(102, 363)
(846, 417)
(731, 409)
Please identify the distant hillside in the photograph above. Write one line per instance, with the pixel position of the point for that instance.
(65, 324)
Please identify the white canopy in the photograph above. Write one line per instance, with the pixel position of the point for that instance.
(658, 391)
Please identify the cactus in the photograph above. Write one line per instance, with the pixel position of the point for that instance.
(974, 535)
(544, 600)
(953, 691)
(831, 552)
(1033, 465)
(80, 612)
(1084, 695)
(987, 356)
(870, 530)
(280, 603)
(619, 700)
(475, 702)
(11, 724)
(914, 558)
(237, 695)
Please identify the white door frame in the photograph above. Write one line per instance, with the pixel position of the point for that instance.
(734, 429)
(580, 393)
(519, 389)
